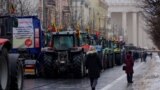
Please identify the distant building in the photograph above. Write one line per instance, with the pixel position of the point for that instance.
(54, 11)
(3, 7)
(127, 15)
(90, 14)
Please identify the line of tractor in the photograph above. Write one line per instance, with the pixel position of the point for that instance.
(26, 49)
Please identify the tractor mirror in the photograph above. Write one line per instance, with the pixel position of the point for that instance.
(15, 22)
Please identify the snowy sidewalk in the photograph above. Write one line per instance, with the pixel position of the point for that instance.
(146, 77)
(151, 78)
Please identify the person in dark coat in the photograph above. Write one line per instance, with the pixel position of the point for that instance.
(94, 66)
(145, 56)
(129, 66)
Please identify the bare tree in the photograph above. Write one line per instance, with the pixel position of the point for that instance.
(152, 15)
(25, 7)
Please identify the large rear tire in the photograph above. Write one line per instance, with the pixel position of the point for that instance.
(4, 71)
(11, 77)
(78, 66)
(16, 73)
(105, 61)
(48, 67)
(118, 58)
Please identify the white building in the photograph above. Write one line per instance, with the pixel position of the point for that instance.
(128, 15)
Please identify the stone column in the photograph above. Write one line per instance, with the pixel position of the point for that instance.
(134, 16)
(140, 29)
(124, 24)
(109, 26)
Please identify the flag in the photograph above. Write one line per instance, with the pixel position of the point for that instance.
(60, 28)
(78, 30)
(12, 8)
(54, 28)
(87, 29)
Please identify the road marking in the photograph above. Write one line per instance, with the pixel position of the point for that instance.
(118, 79)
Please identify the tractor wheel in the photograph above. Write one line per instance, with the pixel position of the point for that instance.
(117, 59)
(113, 60)
(48, 69)
(78, 66)
(11, 77)
(4, 71)
(105, 61)
(16, 73)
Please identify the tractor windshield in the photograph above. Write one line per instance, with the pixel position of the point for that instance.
(84, 39)
(63, 42)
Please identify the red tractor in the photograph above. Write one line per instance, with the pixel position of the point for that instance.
(11, 71)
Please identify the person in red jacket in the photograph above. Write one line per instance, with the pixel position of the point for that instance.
(129, 66)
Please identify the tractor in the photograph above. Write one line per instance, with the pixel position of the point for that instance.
(11, 69)
(100, 44)
(108, 54)
(119, 52)
(66, 56)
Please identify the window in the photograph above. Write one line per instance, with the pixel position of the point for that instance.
(63, 42)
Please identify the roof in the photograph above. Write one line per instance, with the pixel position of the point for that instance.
(19, 16)
(66, 32)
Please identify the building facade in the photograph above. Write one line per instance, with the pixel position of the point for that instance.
(54, 12)
(98, 14)
(3, 7)
(90, 14)
(128, 16)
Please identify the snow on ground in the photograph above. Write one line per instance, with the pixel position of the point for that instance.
(150, 80)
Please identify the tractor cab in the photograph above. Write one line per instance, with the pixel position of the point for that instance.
(66, 40)
(6, 26)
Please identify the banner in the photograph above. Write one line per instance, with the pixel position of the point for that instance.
(23, 36)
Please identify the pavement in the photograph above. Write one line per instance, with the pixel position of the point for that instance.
(150, 79)
(146, 77)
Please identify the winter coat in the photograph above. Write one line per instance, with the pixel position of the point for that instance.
(129, 64)
(93, 64)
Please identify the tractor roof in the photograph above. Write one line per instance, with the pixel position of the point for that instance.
(66, 33)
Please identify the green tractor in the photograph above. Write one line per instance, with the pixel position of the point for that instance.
(118, 52)
(108, 54)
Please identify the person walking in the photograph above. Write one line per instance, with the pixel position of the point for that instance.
(94, 67)
(144, 56)
(129, 66)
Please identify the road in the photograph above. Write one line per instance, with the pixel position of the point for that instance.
(111, 79)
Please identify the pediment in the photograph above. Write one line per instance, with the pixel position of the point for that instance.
(124, 5)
